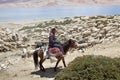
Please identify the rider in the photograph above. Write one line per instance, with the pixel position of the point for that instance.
(53, 41)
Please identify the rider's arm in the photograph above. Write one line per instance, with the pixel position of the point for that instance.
(53, 39)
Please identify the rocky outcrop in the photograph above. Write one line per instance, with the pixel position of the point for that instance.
(10, 40)
(89, 30)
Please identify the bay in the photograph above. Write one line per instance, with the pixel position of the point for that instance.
(32, 13)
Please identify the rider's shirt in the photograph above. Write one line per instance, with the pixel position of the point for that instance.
(52, 40)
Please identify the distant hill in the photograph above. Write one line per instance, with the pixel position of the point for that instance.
(29, 3)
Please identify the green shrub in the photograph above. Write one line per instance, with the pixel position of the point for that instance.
(91, 68)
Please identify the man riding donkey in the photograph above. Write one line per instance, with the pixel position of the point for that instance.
(55, 47)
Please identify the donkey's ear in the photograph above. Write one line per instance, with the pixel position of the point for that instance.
(70, 40)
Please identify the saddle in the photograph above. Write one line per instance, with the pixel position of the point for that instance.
(54, 50)
(51, 52)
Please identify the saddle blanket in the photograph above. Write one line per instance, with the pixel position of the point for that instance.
(51, 53)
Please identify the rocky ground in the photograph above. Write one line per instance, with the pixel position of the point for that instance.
(97, 35)
(23, 69)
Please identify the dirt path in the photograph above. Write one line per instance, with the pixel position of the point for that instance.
(23, 69)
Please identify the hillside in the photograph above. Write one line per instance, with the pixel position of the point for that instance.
(97, 35)
(36, 3)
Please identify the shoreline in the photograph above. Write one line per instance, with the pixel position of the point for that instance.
(24, 22)
(48, 19)
(16, 24)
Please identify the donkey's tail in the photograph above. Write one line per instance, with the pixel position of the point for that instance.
(35, 58)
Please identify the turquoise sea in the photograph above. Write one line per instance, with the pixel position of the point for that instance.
(19, 13)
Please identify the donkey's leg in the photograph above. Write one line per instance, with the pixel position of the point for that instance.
(41, 66)
(59, 59)
(63, 60)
